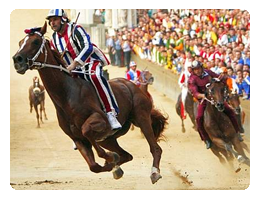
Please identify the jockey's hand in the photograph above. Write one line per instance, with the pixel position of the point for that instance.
(201, 96)
(73, 65)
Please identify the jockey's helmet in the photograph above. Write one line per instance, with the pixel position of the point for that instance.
(132, 63)
(58, 13)
(196, 64)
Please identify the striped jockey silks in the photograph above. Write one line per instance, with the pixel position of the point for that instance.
(80, 49)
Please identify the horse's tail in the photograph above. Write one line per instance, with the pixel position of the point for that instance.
(159, 122)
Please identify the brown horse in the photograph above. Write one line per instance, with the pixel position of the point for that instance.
(36, 98)
(79, 112)
(219, 127)
(191, 109)
(234, 102)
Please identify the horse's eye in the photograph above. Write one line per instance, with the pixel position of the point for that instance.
(36, 42)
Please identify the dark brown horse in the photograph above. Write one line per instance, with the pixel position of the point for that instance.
(219, 127)
(191, 109)
(79, 112)
(36, 98)
(234, 102)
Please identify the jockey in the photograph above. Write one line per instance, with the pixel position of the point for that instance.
(197, 85)
(183, 83)
(82, 55)
(133, 74)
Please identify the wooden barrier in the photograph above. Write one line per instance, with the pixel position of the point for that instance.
(167, 83)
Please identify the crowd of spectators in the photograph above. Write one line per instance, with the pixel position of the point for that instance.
(173, 38)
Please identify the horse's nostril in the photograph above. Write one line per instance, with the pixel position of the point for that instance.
(19, 59)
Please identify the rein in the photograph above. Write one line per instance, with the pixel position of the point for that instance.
(39, 65)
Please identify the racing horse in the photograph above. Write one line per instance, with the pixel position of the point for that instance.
(190, 107)
(79, 112)
(36, 98)
(234, 102)
(219, 127)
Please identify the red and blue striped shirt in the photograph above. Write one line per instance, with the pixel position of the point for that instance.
(79, 46)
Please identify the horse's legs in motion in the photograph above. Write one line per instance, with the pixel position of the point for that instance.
(215, 150)
(31, 106)
(144, 122)
(85, 149)
(111, 144)
(41, 112)
(37, 115)
(43, 109)
(238, 147)
(92, 126)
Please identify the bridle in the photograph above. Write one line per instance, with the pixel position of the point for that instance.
(39, 65)
(211, 99)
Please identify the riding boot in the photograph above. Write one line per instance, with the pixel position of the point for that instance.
(115, 125)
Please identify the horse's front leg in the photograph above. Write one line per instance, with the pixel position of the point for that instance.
(92, 129)
(37, 115)
(85, 148)
(43, 109)
(144, 122)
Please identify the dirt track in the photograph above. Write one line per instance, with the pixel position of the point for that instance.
(42, 158)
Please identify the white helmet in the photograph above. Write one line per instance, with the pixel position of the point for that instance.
(57, 13)
(132, 63)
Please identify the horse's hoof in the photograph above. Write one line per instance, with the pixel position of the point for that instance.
(183, 130)
(117, 172)
(155, 177)
(241, 159)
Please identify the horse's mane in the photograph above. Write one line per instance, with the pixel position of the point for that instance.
(56, 55)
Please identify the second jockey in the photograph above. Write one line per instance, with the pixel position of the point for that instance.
(197, 85)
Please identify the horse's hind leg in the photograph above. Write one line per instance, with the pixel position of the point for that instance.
(144, 122)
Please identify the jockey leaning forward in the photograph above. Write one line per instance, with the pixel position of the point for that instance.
(197, 85)
(85, 56)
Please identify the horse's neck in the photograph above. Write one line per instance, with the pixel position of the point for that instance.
(56, 82)
(144, 87)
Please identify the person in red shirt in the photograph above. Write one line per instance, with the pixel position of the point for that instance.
(197, 86)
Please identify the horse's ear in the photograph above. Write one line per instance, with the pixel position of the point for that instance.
(44, 28)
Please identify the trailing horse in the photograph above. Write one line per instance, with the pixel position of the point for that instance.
(36, 98)
(79, 112)
(219, 127)
(190, 107)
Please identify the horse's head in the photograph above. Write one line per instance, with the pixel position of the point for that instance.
(36, 81)
(31, 48)
(146, 77)
(217, 91)
(234, 101)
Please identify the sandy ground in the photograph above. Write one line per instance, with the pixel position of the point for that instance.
(43, 158)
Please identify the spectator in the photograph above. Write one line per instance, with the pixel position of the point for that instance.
(246, 85)
(127, 51)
